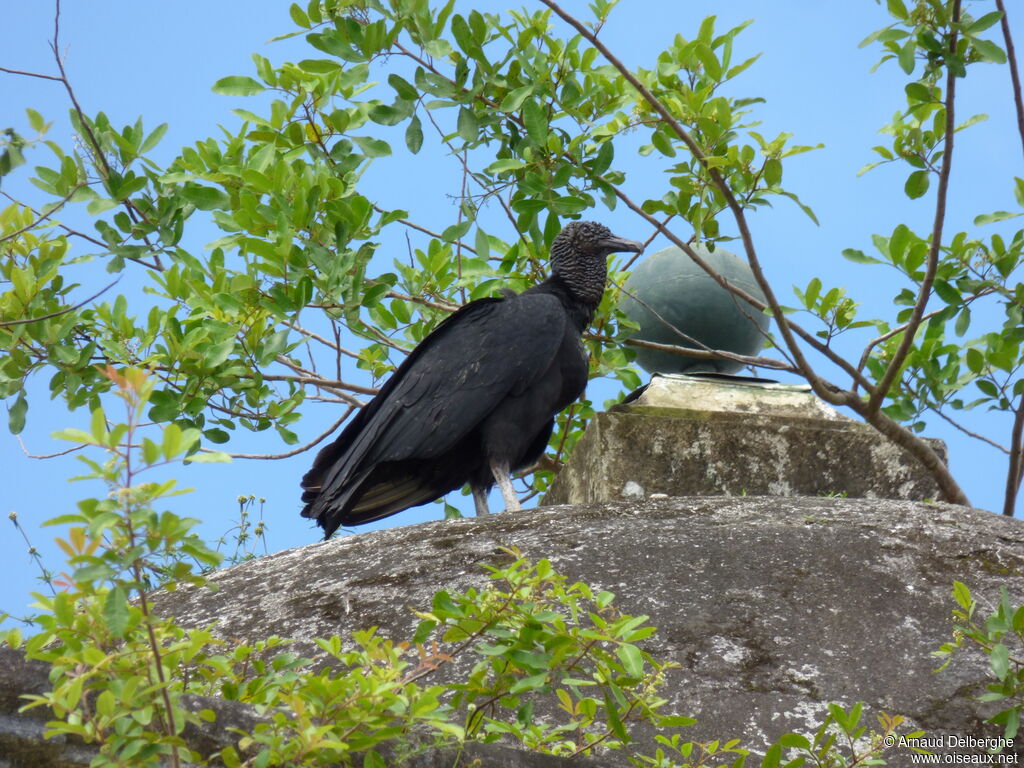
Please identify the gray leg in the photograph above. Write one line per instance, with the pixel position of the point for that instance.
(500, 472)
(480, 501)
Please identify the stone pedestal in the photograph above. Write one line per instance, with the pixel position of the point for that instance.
(690, 436)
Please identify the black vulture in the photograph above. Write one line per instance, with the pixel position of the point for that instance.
(475, 400)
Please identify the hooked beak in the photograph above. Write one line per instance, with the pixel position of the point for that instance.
(616, 244)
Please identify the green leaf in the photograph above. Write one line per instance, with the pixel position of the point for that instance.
(794, 741)
(528, 683)
(205, 198)
(812, 292)
(947, 292)
(273, 346)
(999, 659)
(675, 721)
(897, 9)
(372, 147)
(917, 184)
(209, 457)
(515, 98)
(991, 218)
(975, 363)
(859, 257)
(614, 721)
(536, 121)
(987, 387)
(153, 139)
(963, 321)
(115, 611)
(298, 16)
(16, 414)
(35, 120)
(482, 244)
(989, 51)
(405, 90)
(632, 660)
(171, 444)
(456, 231)
(237, 85)
(983, 23)
(414, 135)
(906, 56)
(506, 164)
(468, 127)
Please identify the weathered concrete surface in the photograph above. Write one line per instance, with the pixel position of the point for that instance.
(772, 606)
(734, 440)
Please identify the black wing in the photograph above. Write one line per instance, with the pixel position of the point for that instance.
(445, 388)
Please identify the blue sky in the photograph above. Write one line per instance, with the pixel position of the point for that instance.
(159, 60)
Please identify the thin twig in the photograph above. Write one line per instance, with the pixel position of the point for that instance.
(295, 452)
(65, 452)
(424, 230)
(326, 342)
(957, 425)
(29, 74)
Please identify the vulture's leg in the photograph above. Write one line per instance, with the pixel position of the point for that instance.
(501, 476)
(480, 500)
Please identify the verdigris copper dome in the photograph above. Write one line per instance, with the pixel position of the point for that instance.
(685, 296)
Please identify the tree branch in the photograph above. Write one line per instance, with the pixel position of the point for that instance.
(1011, 57)
(6, 323)
(819, 385)
(1013, 473)
(41, 217)
(881, 389)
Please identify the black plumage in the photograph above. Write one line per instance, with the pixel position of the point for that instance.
(474, 401)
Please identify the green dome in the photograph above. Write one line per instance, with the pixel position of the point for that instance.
(688, 298)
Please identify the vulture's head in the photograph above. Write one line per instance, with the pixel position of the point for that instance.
(579, 256)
